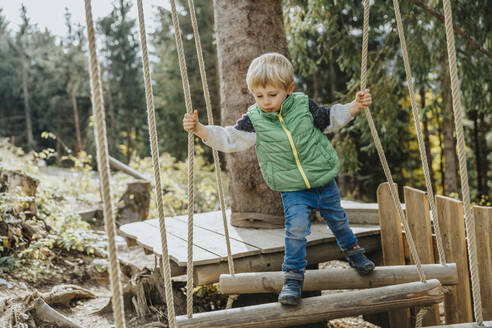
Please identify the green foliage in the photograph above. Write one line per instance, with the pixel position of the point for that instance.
(36, 240)
(324, 39)
(174, 175)
(123, 82)
(169, 97)
(325, 44)
(209, 298)
(59, 229)
(7, 263)
(47, 62)
(484, 201)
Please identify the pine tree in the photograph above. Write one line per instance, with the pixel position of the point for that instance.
(123, 68)
(169, 98)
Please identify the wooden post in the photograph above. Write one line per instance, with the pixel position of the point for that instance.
(458, 307)
(483, 228)
(314, 309)
(392, 245)
(418, 216)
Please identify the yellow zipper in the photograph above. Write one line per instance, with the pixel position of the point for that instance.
(294, 150)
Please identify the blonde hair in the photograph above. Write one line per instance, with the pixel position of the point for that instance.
(270, 69)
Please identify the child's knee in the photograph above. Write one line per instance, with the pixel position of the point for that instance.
(297, 228)
(341, 225)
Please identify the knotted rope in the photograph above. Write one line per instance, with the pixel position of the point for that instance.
(420, 316)
(103, 167)
(154, 147)
(458, 122)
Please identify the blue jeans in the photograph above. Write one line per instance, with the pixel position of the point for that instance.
(298, 206)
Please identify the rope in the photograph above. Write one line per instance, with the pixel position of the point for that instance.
(154, 146)
(103, 167)
(208, 105)
(189, 110)
(420, 317)
(379, 147)
(418, 128)
(458, 120)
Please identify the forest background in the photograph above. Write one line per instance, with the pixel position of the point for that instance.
(45, 92)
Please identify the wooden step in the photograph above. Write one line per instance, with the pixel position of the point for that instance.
(271, 282)
(319, 308)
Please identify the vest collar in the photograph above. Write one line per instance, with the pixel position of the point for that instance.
(284, 108)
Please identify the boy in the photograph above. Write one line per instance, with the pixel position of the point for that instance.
(295, 158)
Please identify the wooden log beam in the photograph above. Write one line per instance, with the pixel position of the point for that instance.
(117, 165)
(271, 282)
(210, 273)
(465, 325)
(315, 309)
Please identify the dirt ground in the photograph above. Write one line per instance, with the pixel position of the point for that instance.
(87, 273)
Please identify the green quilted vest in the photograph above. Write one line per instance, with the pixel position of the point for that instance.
(293, 154)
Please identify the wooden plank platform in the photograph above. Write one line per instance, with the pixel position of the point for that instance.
(253, 249)
(361, 213)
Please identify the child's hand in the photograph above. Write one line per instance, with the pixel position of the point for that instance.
(190, 122)
(362, 99)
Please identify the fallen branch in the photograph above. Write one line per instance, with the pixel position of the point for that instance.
(64, 294)
(47, 314)
(21, 311)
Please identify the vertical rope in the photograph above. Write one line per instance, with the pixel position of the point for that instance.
(420, 317)
(418, 128)
(379, 147)
(154, 146)
(208, 105)
(458, 120)
(103, 167)
(189, 110)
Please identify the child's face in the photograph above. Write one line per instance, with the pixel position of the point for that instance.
(270, 98)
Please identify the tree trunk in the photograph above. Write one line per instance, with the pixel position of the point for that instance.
(241, 37)
(78, 143)
(441, 153)
(113, 124)
(27, 108)
(484, 130)
(450, 161)
(332, 78)
(12, 128)
(425, 123)
(128, 136)
(473, 115)
(17, 181)
(58, 134)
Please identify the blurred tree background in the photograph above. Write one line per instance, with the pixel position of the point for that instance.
(44, 85)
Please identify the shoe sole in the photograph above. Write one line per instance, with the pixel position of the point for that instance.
(363, 272)
(289, 301)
